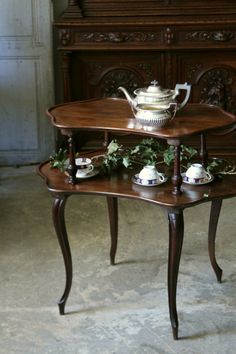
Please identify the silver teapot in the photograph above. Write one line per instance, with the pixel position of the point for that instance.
(155, 104)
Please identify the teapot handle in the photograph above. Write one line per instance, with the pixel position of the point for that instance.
(186, 87)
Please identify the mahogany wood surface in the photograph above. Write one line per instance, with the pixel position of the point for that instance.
(119, 184)
(116, 115)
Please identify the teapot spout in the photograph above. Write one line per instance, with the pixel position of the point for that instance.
(130, 99)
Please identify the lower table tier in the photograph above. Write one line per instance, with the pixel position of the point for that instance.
(120, 184)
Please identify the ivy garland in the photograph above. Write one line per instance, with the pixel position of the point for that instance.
(148, 152)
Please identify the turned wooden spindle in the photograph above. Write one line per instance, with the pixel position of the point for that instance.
(72, 169)
(176, 177)
(203, 151)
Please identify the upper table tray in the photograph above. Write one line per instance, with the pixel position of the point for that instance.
(113, 114)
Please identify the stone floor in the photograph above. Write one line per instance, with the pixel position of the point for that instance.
(118, 309)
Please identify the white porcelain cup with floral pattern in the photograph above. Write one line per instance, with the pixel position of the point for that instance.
(150, 173)
(196, 173)
(84, 166)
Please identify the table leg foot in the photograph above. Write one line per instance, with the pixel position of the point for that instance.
(61, 306)
(175, 332)
(112, 203)
(59, 224)
(214, 217)
(176, 232)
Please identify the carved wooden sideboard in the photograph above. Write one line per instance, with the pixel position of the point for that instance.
(104, 44)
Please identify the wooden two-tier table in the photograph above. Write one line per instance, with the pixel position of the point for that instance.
(115, 115)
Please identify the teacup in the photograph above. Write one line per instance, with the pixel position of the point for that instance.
(151, 173)
(196, 173)
(84, 166)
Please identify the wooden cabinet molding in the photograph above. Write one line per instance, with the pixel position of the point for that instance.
(161, 37)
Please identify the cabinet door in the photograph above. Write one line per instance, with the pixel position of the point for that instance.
(212, 75)
(213, 78)
(100, 74)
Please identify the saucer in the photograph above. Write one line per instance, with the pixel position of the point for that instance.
(147, 182)
(90, 174)
(202, 182)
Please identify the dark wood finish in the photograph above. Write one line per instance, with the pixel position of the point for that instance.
(161, 195)
(176, 234)
(106, 44)
(115, 115)
(72, 169)
(176, 178)
(203, 151)
(214, 217)
(112, 203)
(59, 224)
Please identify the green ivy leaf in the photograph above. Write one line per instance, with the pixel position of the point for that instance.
(168, 155)
(112, 147)
(126, 161)
(135, 150)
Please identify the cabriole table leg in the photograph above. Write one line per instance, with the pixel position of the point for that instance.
(112, 203)
(214, 217)
(176, 233)
(58, 212)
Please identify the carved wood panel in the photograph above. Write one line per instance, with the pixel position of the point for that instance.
(213, 78)
(103, 73)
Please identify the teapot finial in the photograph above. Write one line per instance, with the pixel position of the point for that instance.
(154, 83)
(154, 87)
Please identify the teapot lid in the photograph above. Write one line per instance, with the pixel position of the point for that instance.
(154, 90)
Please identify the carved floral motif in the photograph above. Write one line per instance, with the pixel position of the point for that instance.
(118, 37)
(98, 72)
(217, 36)
(120, 77)
(217, 88)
